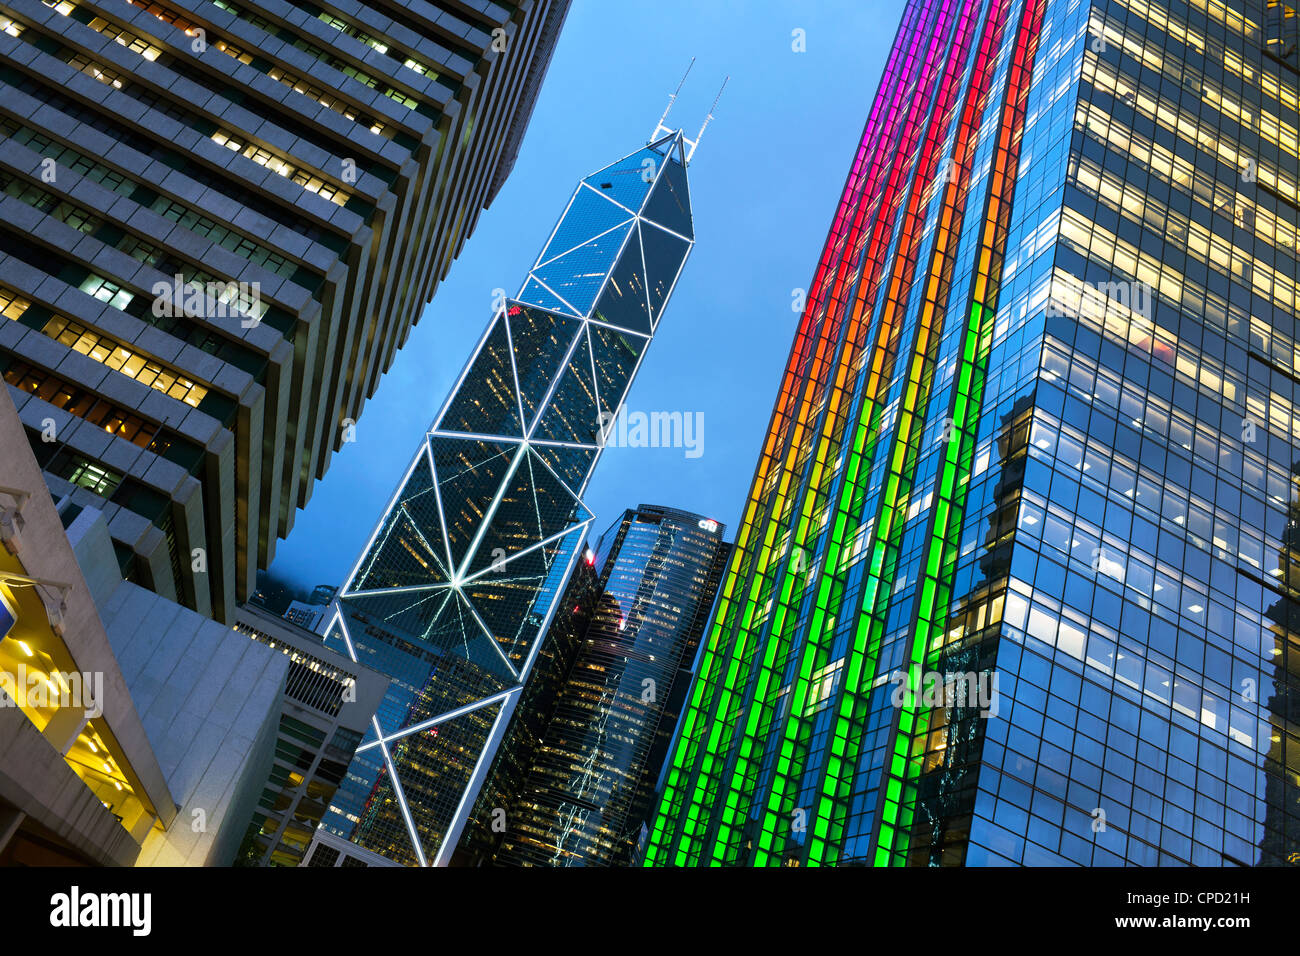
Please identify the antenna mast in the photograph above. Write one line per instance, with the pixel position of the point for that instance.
(707, 120)
(660, 127)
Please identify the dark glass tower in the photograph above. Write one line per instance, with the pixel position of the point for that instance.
(464, 571)
(1034, 440)
(533, 714)
(593, 765)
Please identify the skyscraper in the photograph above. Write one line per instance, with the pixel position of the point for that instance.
(324, 710)
(218, 221)
(523, 733)
(594, 763)
(123, 716)
(464, 570)
(1012, 576)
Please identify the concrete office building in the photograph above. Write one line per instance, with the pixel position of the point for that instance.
(138, 740)
(218, 221)
(210, 700)
(330, 849)
(326, 708)
(310, 617)
(72, 790)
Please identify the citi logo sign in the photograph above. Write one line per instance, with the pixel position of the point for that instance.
(709, 525)
(76, 909)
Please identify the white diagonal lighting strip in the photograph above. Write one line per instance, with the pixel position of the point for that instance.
(435, 721)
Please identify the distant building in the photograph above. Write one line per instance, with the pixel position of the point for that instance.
(593, 755)
(322, 594)
(527, 728)
(310, 617)
(272, 593)
(328, 704)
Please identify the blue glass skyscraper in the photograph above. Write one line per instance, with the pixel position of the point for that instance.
(466, 566)
(1015, 582)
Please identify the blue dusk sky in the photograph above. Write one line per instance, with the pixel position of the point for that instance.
(764, 185)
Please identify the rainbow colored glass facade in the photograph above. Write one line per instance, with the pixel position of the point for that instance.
(1011, 582)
